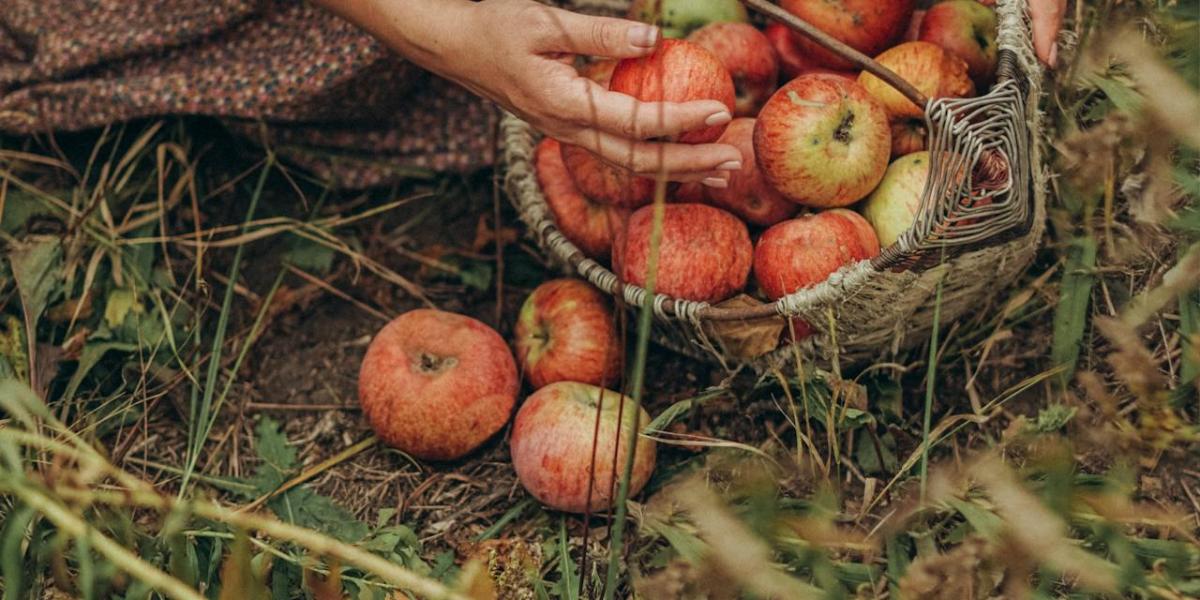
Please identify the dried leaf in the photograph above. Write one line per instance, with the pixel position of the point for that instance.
(746, 339)
(474, 582)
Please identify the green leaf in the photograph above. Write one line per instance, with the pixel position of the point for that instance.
(119, 304)
(475, 274)
(308, 255)
(14, 361)
(876, 460)
(91, 354)
(278, 458)
(1052, 418)
(37, 271)
(984, 521)
(1071, 316)
(21, 207)
(306, 508)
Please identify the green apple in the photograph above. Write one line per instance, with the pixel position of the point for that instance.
(892, 207)
(678, 18)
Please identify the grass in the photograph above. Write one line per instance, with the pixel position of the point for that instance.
(180, 329)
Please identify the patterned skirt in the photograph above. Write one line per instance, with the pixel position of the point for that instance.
(332, 98)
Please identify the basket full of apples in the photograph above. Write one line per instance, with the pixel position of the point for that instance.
(890, 176)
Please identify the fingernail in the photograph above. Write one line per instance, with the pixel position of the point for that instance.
(730, 165)
(720, 118)
(1054, 55)
(643, 36)
(715, 182)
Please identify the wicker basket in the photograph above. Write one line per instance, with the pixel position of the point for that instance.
(885, 304)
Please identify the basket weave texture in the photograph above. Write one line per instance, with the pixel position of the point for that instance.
(968, 243)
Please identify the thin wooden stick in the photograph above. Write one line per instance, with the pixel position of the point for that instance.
(836, 46)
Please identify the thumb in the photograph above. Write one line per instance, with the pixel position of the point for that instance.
(1047, 17)
(600, 36)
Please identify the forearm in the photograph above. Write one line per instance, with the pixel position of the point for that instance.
(423, 31)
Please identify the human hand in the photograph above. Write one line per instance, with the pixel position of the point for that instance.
(1047, 18)
(519, 54)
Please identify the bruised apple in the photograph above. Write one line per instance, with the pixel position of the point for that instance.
(822, 141)
(677, 71)
(748, 195)
(704, 253)
(893, 206)
(935, 72)
(802, 252)
(749, 58)
(868, 26)
(436, 384)
(589, 225)
(566, 331)
(570, 442)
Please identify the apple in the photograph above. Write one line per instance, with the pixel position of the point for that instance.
(804, 251)
(868, 26)
(967, 29)
(748, 56)
(563, 442)
(908, 136)
(688, 193)
(822, 141)
(913, 33)
(589, 225)
(704, 255)
(566, 331)
(604, 182)
(677, 71)
(792, 61)
(678, 18)
(748, 195)
(436, 384)
(935, 72)
(892, 207)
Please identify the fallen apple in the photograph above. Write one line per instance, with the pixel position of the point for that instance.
(748, 195)
(935, 72)
(868, 26)
(749, 58)
(893, 206)
(804, 251)
(822, 141)
(967, 29)
(563, 443)
(704, 255)
(566, 331)
(677, 71)
(589, 225)
(678, 18)
(436, 384)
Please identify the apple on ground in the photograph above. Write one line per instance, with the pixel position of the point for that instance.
(604, 182)
(749, 58)
(566, 331)
(822, 141)
(563, 443)
(802, 252)
(436, 384)
(908, 135)
(935, 72)
(678, 18)
(868, 26)
(589, 225)
(967, 29)
(792, 61)
(704, 253)
(677, 71)
(748, 195)
(892, 207)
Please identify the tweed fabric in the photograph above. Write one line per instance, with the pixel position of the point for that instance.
(333, 98)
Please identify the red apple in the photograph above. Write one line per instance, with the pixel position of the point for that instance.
(792, 61)
(688, 193)
(967, 29)
(436, 384)
(822, 141)
(589, 225)
(677, 71)
(561, 457)
(914, 26)
(749, 196)
(606, 183)
(566, 331)
(908, 136)
(893, 206)
(868, 26)
(804, 251)
(935, 72)
(749, 58)
(704, 255)
(678, 18)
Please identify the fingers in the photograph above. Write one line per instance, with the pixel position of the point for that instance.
(628, 117)
(681, 162)
(564, 31)
(1047, 16)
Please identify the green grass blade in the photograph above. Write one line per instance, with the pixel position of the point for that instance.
(1071, 317)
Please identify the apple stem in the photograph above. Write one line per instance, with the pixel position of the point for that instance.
(836, 46)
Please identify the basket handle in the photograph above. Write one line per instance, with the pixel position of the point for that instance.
(836, 46)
